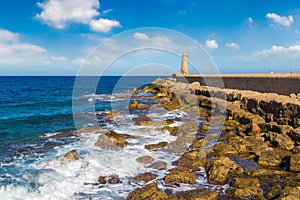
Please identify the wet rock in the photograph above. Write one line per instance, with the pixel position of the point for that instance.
(141, 118)
(146, 177)
(180, 177)
(268, 158)
(113, 179)
(247, 187)
(172, 130)
(69, 157)
(135, 105)
(281, 140)
(294, 164)
(111, 141)
(221, 168)
(160, 165)
(145, 159)
(156, 146)
(192, 160)
(110, 116)
(296, 149)
(197, 194)
(153, 123)
(149, 191)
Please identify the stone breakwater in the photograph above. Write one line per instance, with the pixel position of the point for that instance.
(247, 139)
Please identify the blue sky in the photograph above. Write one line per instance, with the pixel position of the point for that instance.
(241, 36)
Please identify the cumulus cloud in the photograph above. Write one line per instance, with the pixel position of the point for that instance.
(13, 51)
(280, 51)
(7, 36)
(232, 45)
(280, 20)
(141, 36)
(211, 44)
(57, 13)
(103, 25)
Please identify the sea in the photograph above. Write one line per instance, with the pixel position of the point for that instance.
(38, 117)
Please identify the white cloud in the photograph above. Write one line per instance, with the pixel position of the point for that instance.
(7, 36)
(13, 51)
(280, 20)
(103, 25)
(211, 44)
(57, 13)
(232, 45)
(78, 61)
(280, 51)
(141, 36)
(250, 21)
(58, 59)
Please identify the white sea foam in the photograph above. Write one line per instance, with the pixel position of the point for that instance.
(75, 180)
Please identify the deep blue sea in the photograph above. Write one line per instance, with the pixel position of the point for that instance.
(32, 107)
(38, 117)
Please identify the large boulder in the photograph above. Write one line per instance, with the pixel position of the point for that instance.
(268, 158)
(247, 187)
(69, 157)
(145, 159)
(160, 165)
(149, 191)
(197, 194)
(111, 141)
(294, 164)
(221, 168)
(113, 179)
(281, 140)
(180, 177)
(146, 177)
(156, 146)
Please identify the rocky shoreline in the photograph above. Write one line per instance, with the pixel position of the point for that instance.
(257, 150)
(246, 141)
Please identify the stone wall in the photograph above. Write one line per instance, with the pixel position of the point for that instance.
(284, 85)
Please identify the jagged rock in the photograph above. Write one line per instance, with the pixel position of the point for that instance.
(180, 177)
(197, 194)
(268, 158)
(295, 135)
(294, 164)
(111, 141)
(156, 146)
(69, 157)
(290, 193)
(145, 159)
(110, 116)
(135, 105)
(149, 191)
(192, 160)
(113, 179)
(247, 187)
(146, 177)
(160, 165)
(255, 129)
(141, 118)
(281, 140)
(282, 128)
(274, 192)
(221, 168)
(195, 85)
(172, 130)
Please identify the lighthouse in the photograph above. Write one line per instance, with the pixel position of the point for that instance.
(184, 65)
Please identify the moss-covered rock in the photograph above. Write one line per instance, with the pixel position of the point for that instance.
(149, 191)
(180, 177)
